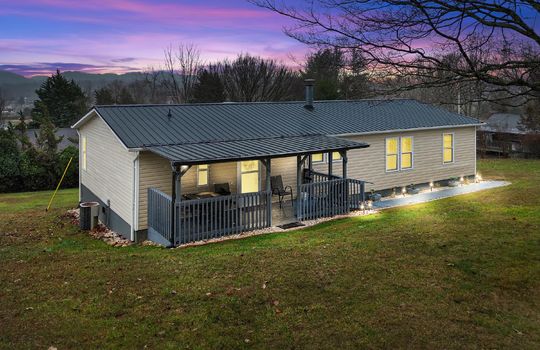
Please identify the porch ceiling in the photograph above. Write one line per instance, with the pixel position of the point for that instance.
(213, 152)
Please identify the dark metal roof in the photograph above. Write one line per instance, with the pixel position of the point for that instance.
(209, 152)
(141, 126)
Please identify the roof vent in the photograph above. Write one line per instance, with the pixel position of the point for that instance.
(308, 84)
(169, 115)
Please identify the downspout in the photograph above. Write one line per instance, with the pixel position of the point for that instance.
(135, 197)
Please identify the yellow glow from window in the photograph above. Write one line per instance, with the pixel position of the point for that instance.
(448, 140)
(202, 179)
(317, 157)
(391, 162)
(250, 182)
(406, 161)
(249, 165)
(336, 156)
(406, 144)
(391, 146)
(448, 148)
(448, 155)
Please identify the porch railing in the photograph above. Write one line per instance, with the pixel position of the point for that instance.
(207, 218)
(315, 176)
(159, 213)
(329, 198)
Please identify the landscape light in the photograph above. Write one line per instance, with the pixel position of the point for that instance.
(461, 179)
(478, 177)
(369, 205)
(362, 207)
(404, 190)
(431, 185)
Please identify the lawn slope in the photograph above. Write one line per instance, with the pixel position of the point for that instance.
(462, 272)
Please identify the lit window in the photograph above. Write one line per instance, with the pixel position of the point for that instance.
(448, 148)
(202, 175)
(406, 152)
(83, 151)
(249, 176)
(317, 158)
(336, 156)
(392, 154)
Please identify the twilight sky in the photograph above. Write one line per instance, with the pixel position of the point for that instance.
(38, 36)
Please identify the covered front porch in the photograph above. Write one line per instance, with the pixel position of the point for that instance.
(249, 201)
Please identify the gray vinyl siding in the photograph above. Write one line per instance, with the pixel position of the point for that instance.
(109, 169)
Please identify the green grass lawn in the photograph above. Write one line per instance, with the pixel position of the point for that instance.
(462, 272)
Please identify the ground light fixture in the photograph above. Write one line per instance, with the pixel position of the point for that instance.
(461, 180)
(403, 191)
(362, 207)
(431, 186)
(478, 177)
(369, 205)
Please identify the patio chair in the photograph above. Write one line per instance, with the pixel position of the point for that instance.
(222, 189)
(276, 184)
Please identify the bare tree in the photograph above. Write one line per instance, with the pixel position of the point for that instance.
(493, 42)
(181, 67)
(249, 79)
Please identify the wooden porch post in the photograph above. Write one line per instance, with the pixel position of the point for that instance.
(268, 190)
(298, 181)
(344, 157)
(175, 177)
(330, 161)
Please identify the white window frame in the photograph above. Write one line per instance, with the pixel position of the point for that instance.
(84, 152)
(386, 154)
(453, 147)
(412, 153)
(207, 171)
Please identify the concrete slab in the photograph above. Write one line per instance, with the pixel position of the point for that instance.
(438, 194)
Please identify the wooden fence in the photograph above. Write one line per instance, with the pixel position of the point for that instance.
(159, 213)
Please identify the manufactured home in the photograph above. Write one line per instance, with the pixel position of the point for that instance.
(181, 173)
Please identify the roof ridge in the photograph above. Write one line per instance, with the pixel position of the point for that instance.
(247, 103)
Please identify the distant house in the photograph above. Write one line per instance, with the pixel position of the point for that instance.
(70, 137)
(182, 173)
(503, 134)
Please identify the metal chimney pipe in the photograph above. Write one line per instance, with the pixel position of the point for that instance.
(308, 83)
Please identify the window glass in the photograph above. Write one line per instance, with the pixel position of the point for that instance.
(336, 156)
(202, 179)
(391, 154)
(391, 162)
(249, 176)
(406, 152)
(448, 148)
(250, 182)
(249, 165)
(317, 157)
